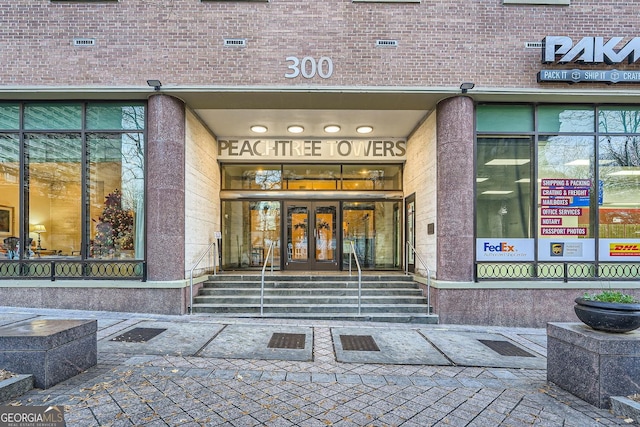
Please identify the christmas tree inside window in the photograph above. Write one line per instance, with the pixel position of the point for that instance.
(114, 229)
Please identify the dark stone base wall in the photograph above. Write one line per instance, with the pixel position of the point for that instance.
(593, 365)
(531, 308)
(134, 300)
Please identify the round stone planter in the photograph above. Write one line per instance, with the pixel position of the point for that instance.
(608, 316)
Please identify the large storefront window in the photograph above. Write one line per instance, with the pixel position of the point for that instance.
(619, 203)
(80, 194)
(586, 172)
(503, 182)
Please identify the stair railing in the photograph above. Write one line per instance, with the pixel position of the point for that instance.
(353, 252)
(426, 267)
(205, 253)
(264, 268)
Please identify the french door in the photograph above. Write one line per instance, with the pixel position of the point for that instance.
(311, 235)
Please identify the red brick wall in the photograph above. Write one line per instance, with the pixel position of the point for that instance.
(441, 42)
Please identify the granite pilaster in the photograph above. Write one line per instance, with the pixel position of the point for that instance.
(455, 160)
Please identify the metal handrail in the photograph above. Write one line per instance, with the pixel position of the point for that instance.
(424, 264)
(353, 252)
(214, 245)
(264, 267)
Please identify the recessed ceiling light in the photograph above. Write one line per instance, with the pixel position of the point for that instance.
(364, 129)
(497, 192)
(259, 128)
(507, 162)
(332, 128)
(579, 162)
(623, 173)
(295, 129)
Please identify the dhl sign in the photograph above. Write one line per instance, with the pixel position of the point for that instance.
(624, 249)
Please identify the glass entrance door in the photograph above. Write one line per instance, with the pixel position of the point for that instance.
(311, 236)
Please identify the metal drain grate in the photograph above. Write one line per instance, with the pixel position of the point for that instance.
(139, 335)
(358, 343)
(289, 341)
(505, 348)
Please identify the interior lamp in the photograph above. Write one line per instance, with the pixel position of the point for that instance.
(39, 229)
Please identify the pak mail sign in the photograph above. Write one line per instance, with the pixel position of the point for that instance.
(589, 50)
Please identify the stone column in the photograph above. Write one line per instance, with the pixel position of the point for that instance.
(455, 160)
(165, 205)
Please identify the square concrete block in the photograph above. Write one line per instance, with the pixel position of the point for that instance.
(593, 365)
(52, 350)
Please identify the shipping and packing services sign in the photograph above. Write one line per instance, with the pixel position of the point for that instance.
(505, 249)
(619, 250)
(564, 249)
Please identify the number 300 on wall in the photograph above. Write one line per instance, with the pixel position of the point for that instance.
(309, 67)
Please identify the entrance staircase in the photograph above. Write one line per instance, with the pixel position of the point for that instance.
(384, 297)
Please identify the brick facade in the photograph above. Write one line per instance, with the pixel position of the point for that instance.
(440, 43)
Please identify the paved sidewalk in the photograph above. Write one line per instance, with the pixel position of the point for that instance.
(207, 371)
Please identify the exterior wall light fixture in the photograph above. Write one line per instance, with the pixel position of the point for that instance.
(154, 84)
(464, 87)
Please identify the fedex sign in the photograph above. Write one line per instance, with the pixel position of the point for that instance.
(589, 50)
(505, 249)
(502, 247)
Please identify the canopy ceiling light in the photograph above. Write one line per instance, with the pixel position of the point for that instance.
(332, 128)
(364, 129)
(259, 128)
(464, 87)
(156, 84)
(295, 129)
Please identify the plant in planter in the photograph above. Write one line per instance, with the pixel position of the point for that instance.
(609, 311)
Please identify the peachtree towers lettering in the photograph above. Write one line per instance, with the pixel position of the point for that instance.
(589, 50)
(234, 148)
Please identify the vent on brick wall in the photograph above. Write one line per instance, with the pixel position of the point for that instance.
(84, 42)
(235, 42)
(533, 45)
(386, 43)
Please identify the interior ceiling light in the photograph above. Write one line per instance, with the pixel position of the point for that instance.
(507, 162)
(481, 179)
(332, 128)
(579, 162)
(259, 128)
(497, 192)
(525, 180)
(364, 129)
(623, 173)
(295, 129)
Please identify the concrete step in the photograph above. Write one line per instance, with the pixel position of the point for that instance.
(308, 299)
(311, 292)
(353, 284)
(398, 277)
(370, 317)
(307, 308)
(384, 297)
